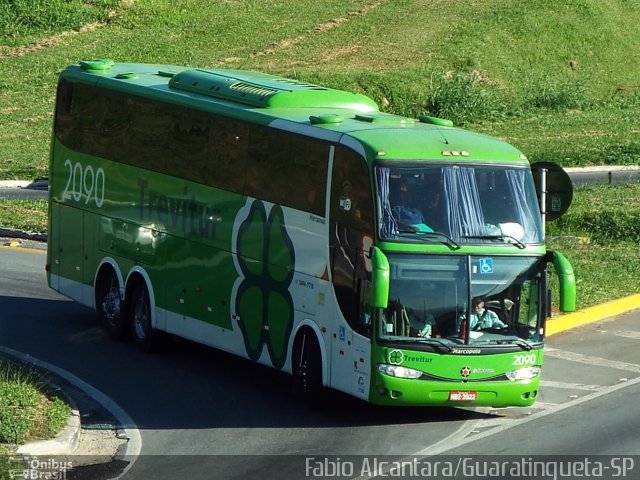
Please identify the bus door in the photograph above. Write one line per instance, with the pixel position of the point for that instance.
(68, 259)
(350, 236)
(351, 330)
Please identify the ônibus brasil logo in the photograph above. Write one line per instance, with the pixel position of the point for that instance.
(263, 302)
(396, 357)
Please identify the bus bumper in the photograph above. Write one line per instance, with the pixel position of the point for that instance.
(386, 390)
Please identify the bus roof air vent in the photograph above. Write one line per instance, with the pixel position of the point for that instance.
(267, 91)
(100, 64)
(247, 88)
(326, 119)
(441, 122)
(127, 76)
(387, 119)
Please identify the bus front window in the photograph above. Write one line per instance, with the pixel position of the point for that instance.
(449, 301)
(461, 203)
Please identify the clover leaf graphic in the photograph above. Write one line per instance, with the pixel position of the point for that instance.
(396, 357)
(267, 259)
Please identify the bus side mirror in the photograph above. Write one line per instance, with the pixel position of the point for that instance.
(379, 278)
(567, 281)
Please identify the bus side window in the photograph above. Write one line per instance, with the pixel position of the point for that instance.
(228, 151)
(63, 125)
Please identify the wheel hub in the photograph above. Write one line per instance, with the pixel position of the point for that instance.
(111, 305)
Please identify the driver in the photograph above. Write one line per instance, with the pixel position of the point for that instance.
(482, 318)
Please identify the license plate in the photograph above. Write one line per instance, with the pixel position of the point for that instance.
(463, 396)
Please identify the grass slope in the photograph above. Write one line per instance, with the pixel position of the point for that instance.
(543, 75)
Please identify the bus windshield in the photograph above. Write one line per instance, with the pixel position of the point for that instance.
(451, 203)
(448, 301)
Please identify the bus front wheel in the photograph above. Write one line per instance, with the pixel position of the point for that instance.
(110, 306)
(144, 336)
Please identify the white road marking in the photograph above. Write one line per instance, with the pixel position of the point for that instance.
(628, 334)
(568, 386)
(589, 360)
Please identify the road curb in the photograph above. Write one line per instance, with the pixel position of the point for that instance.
(67, 441)
(42, 184)
(64, 444)
(603, 175)
(592, 314)
(20, 234)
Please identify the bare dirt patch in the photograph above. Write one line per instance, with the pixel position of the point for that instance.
(98, 446)
(316, 29)
(59, 38)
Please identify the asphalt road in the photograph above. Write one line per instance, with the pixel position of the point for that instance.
(204, 414)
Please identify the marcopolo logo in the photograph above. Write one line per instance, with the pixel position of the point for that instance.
(396, 357)
(263, 303)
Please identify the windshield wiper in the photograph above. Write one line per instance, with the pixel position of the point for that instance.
(447, 239)
(423, 340)
(521, 343)
(435, 340)
(516, 242)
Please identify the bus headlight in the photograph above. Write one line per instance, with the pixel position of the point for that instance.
(524, 373)
(398, 371)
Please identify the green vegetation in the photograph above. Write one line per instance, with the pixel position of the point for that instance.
(603, 214)
(600, 234)
(604, 270)
(25, 21)
(552, 78)
(8, 464)
(544, 76)
(26, 215)
(25, 412)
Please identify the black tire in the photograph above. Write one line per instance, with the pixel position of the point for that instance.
(139, 314)
(307, 371)
(110, 307)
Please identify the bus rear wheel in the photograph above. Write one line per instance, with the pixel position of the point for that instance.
(139, 313)
(110, 306)
(308, 371)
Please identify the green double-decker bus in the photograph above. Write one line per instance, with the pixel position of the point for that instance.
(399, 260)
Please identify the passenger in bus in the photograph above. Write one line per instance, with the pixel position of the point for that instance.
(404, 211)
(405, 321)
(429, 201)
(423, 326)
